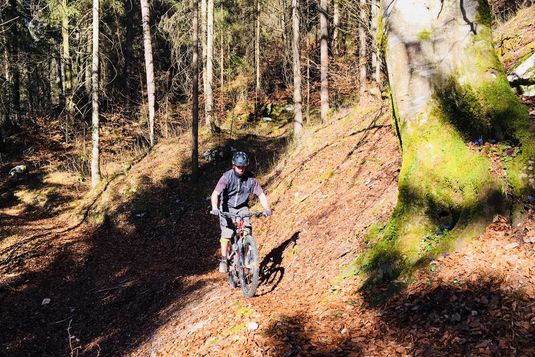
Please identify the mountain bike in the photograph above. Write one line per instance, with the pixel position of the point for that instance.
(242, 255)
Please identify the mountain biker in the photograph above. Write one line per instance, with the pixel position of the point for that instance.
(231, 194)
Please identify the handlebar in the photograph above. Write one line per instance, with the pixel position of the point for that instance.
(241, 215)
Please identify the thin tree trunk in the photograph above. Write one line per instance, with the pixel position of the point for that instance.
(222, 63)
(147, 44)
(209, 63)
(95, 158)
(30, 100)
(195, 94)
(257, 54)
(67, 67)
(336, 26)
(59, 75)
(7, 74)
(51, 79)
(286, 43)
(203, 43)
(128, 50)
(15, 61)
(324, 59)
(308, 61)
(298, 114)
(378, 53)
(373, 27)
(363, 46)
(88, 73)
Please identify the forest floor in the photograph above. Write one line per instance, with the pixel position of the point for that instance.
(143, 280)
(131, 269)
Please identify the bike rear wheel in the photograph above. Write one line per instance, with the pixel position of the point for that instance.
(248, 270)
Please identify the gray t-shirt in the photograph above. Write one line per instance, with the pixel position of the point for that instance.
(234, 191)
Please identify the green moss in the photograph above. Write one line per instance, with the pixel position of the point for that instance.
(511, 119)
(459, 105)
(484, 13)
(446, 192)
(380, 36)
(326, 175)
(490, 110)
(424, 35)
(244, 311)
(235, 329)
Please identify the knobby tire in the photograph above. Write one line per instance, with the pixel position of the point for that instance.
(232, 273)
(249, 271)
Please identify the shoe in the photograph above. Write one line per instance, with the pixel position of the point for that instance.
(223, 266)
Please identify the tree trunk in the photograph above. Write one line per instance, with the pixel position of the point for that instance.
(376, 56)
(67, 67)
(147, 44)
(195, 93)
(127, 51)
(209, 63)
(95, 158)
(30, 98)
(88, 82)
(203, 43)
(448, 88)
(336, 26)
(59, 75)
(50, 82)
(308, 62)
(363, 45)
(222, 64)
(298, 114)
(15, 61)
(287, 45)
(257, 54)
(324, 59)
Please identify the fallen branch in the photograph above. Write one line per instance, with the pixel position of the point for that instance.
(124, 284)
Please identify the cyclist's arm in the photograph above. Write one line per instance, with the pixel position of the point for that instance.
(259, 192)
(215, 199)
(221, 185)
(264, 201)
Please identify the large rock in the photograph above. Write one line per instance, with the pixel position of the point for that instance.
(523, 77)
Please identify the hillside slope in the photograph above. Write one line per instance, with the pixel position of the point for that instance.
(325, 192)
(142, 280)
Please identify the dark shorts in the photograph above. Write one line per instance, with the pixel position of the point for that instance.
(226, 224)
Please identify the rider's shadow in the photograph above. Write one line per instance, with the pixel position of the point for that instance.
(271, 271)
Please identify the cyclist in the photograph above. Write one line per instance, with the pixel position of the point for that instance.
(231, 194)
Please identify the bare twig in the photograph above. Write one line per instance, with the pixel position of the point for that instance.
(74, 351)
(124, 284)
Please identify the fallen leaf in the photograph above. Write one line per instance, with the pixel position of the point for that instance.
(511, 246)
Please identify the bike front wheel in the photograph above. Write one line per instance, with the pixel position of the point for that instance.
(232, 273)
(249, 271)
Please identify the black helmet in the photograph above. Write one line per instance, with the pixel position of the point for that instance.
(240, 159)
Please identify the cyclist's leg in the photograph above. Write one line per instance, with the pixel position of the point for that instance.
(226, 235)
